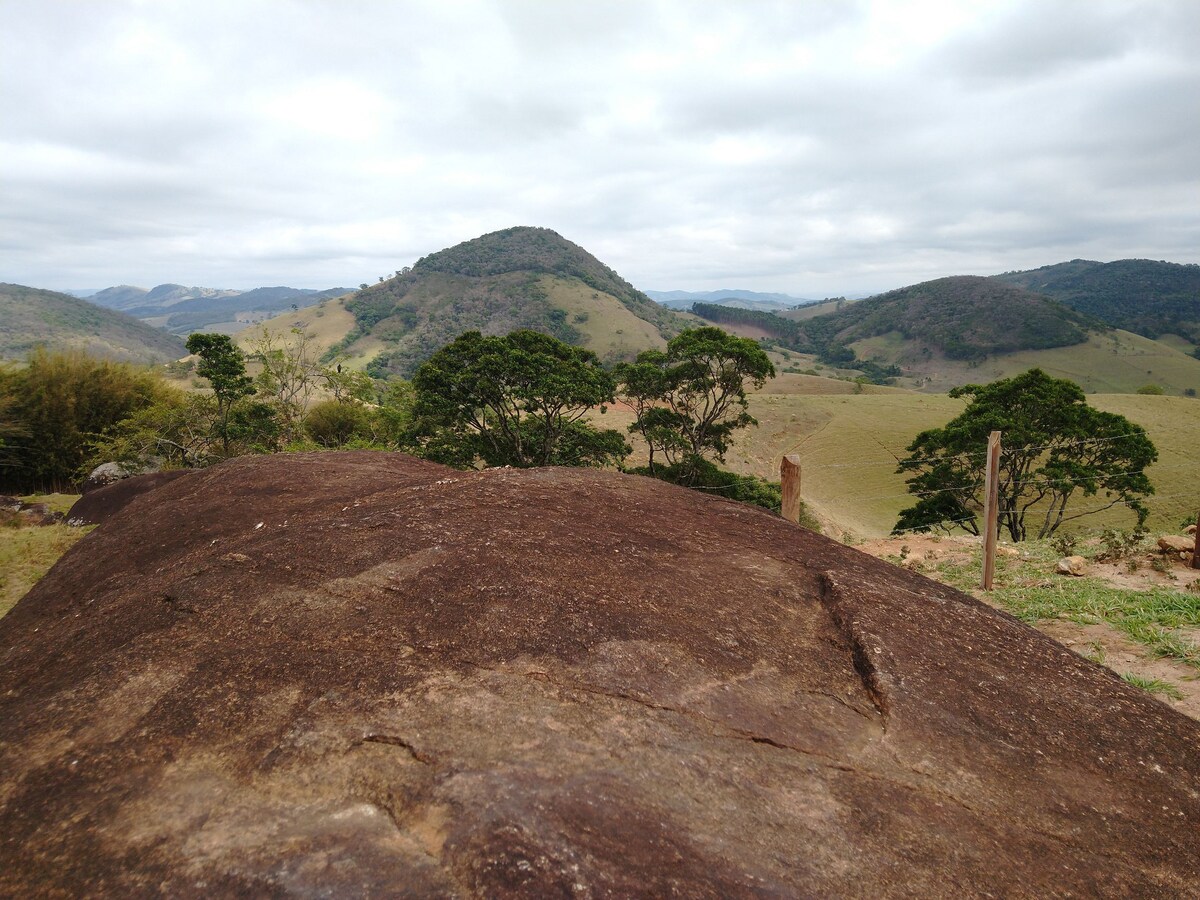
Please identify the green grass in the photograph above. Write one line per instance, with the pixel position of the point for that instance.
(610, 329)
(848, 444)
(1112, 362)
(1030, 591)
(26, 554)
(1153, 685)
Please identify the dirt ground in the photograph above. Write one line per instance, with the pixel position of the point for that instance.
(1099, 642)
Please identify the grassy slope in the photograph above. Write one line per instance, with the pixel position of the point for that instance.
(26, 554)
(1111, 362)
(29, 316)
(611, 330)
(327, 322)
(848, 444)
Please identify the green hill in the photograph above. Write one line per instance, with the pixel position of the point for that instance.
(500, 282)
(30, 317)
(1139, 295)
(963, 319)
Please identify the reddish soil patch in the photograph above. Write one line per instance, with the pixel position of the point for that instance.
(360, 674)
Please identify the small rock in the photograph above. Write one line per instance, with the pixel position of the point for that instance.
(1071, 565)
(1191, 529)
(1007, 551)
(1176, 543)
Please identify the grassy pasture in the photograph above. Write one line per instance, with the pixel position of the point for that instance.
(848, 444)
(1114, 362)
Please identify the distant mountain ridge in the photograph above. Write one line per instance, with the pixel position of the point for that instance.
(31, 317)
(1140, 295)
(741, 299)
(185, 309)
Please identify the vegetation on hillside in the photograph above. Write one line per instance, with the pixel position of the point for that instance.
(690, 399)
(31, 318)
(1054, 446)
(493, 284)
(1141, 295)
(52, 409)
(517, 400)
(961, 318)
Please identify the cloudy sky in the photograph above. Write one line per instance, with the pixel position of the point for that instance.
(814, 148)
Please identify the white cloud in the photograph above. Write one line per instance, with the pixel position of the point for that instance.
(816, 148)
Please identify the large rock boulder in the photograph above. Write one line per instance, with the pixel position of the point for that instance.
(104, 501)
(358, 674)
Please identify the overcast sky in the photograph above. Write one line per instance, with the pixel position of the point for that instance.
(813, 148)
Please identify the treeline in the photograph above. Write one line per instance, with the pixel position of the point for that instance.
(819, 335)
(523, 399)
(964, 317)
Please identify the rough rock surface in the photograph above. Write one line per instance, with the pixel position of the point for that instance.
(358, 674)
(102, 502)
(112, 472)
(1174, 543)
(1068, 565)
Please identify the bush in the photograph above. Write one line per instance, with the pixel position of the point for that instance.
(335, 424)
(1154, 389)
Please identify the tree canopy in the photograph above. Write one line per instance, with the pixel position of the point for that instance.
(224, 365)
(1054, 447)
(516, 400)
(54, 407)
(690, 399)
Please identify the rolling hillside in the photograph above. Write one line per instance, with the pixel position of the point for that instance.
(30, 317)
(516, 278)
(1140, 295)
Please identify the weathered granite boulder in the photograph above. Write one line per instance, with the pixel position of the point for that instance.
(358, 674)
(105, 501)
(112, 472)
(1071, 565)
(1175, 543)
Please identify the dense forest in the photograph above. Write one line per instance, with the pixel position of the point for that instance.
(1144, 296)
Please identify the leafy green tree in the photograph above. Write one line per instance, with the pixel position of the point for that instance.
(1054, 447)
(690, 399)
(56, 405)
(224, 365)
(336, 424)
(516, 400)
(289, 373)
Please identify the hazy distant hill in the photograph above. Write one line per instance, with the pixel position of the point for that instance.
(517, 278)
(29, 317)
(126, 297)
(1140, 295)
(728, 297)
(182, 310)
(963, 317)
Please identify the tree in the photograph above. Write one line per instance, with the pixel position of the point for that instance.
(53, 407)
(224, 365)
(691, 399)
(516, 400)
(1054, 446)
(289, 373)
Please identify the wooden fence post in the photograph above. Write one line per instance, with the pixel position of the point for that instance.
(789, 475)
(1196, 546)
(991, 509)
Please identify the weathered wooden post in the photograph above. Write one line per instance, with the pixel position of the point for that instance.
(1196, 546)
(991, 509)
(789, 475)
